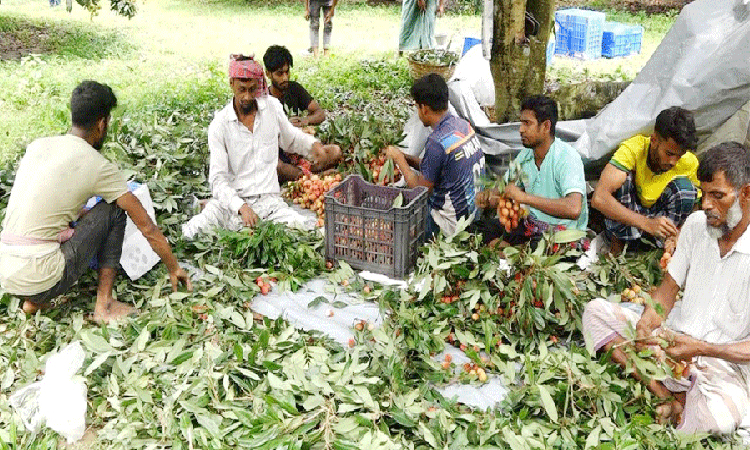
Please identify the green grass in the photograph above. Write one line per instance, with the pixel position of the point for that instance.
(72, 40)
(171, 46)
(175, 52)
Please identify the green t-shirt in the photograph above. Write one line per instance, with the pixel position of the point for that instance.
(560, 174)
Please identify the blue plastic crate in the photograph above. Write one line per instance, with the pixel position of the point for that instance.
(620, 39)
(470, 42)
(636, 38)
(561, 32)
(579, 33)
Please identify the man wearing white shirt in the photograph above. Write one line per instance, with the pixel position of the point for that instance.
(709, 329)
(243, 140)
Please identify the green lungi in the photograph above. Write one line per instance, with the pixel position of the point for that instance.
(417, 26)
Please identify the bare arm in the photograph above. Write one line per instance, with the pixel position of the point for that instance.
(155, 238)
(568, 207)
(412, 178)
(293, 139)
(331, 12)
(612, 179)
(736, 352)
(315, 114)
(665, 296)
(413, 161)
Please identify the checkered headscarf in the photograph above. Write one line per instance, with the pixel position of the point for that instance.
(241, 66)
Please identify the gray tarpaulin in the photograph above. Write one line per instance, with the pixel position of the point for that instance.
(702, 64)
(471, 86)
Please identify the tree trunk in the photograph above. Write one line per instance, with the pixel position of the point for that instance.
(518, 62)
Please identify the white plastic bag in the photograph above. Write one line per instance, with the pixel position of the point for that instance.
(137, 256)
(59, 400)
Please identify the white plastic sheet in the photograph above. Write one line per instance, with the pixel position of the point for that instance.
(137, 256)
(335, 322)
(338, 324)
(702, 64)
(59, 399)
(475, 70)
(485, 396)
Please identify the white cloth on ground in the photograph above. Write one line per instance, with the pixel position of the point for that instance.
(268, 207)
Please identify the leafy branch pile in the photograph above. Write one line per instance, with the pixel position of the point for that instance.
(434, 57)
(199, 370)
(295, 255)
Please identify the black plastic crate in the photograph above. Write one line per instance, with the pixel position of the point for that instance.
(365, 230)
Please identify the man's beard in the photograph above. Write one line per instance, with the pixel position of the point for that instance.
(248, 107)
(734, 215)
(98, 145)
(530, 143)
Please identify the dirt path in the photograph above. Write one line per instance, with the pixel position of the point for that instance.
(13, 47)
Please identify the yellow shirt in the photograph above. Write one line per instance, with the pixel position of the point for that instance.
(55, 178)
(632, 155)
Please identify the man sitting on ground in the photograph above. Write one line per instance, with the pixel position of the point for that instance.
(41, 256)
(710, 328)
(296, 101)
(551, 182)
(243, 140)
(648, 188)
(453, 160)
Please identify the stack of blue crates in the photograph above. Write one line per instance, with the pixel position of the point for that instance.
(621, 39)
(579, 33)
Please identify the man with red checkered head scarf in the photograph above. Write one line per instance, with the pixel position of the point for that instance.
(244, 140)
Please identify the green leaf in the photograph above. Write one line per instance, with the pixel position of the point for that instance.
(547, 402)
(317, 301)
(569, 235)
(398, 202)
(592, 441)
(427, 435)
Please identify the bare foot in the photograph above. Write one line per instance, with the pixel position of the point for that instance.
(113, 310)
(669, 413)
(616, 247)
(31, 307)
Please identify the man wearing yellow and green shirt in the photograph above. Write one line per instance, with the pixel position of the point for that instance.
(650, 186)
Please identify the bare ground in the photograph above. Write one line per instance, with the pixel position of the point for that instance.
(14, 45)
